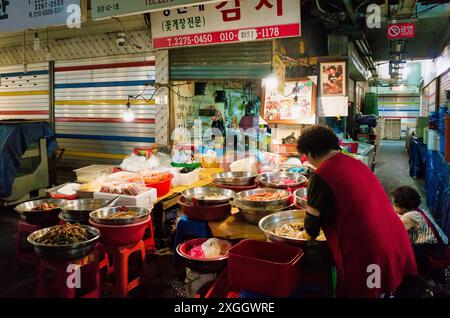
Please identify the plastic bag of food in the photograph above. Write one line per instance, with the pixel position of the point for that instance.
(214, 247)
(196, 252)
(133, 163)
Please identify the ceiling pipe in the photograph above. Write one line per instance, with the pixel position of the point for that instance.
(362, 43)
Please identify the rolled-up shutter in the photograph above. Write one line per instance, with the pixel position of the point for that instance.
(406, 108)
(444, 84)
(24, 91)
(90, 99)
(245, 61)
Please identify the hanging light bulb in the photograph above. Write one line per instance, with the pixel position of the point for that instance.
(36, 42)
(128, 115)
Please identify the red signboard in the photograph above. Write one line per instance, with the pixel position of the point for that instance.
(404, 30)
(226, 22)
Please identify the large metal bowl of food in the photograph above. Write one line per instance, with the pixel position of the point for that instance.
(234, 178)
(119, 215)
(281, 180)
(64, 242)
(80, 209)
(301, 197)
(287, 227)
(208, 195)
(43, 211)
(262, 199)
(254, 217)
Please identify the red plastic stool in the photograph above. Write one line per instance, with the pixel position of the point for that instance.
(24, 250)
(149, 238)
(89, 275)
(120, 254)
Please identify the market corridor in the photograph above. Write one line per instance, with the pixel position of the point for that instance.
(392, 168)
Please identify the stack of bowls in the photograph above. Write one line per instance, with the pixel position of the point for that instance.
(118, 231)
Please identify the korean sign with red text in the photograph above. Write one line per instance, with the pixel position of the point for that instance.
(401, 30)
(226, 22)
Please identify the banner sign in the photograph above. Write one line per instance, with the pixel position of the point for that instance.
(102, 9)
(226, 22)
(18, 15)
(405, 30)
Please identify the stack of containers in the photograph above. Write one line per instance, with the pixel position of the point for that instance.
(442, 112)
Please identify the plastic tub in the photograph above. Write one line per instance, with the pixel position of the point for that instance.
(118, 235)
(90, 173)
(351, 146)
(266, 268)
(186, 179)
(163, 187)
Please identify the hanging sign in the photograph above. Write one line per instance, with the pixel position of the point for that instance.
(405, 30)
(102, 9)
(18, 15)
(226, 22)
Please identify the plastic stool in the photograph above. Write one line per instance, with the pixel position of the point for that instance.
(149, 238)
(24, 250)
(89, 275)
(120, 254)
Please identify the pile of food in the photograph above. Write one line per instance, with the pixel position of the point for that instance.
(157, 177)
(64, 234)
(45, 207)
(211, 197)
(123, 213)
(132, 189)
(211, 248)
(295, 230)
(265, 196)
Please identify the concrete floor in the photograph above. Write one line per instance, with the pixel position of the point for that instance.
(164, 279)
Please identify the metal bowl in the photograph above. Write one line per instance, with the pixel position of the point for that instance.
(63, 218)
(80, 209)
(299, 196)
(197, 195)
(203, 266)
(270, 222)
(102, 216)
(236, 178)
(254, 217)
(276, 179)
(49, 217)
(64, 252)
(241, 202)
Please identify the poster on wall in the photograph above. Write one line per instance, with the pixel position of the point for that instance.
(296, 106)
(225, 22)
(333, 78)
(18, 15)
(333, 106)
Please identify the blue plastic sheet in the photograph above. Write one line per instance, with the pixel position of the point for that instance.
(14, 141)
(417, 158)
(438, 189)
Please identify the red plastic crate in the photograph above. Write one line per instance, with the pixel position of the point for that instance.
(266, 268)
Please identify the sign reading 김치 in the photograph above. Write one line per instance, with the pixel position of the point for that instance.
(226, 22)
(17, 15)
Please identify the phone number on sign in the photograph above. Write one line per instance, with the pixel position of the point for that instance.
(226, 36)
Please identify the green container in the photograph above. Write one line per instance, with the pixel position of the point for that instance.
(193, 165)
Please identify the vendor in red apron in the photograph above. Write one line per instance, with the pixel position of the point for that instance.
(369, 243)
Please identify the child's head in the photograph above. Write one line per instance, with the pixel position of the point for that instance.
(405, 199)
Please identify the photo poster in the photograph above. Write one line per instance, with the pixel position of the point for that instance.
(333, 78)
(296, 106)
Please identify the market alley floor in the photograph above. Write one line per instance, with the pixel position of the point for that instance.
(392, 167)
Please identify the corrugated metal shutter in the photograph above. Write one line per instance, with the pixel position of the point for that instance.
(407, 108)
(444, 84)
(247, 61)
(424, 101)
(431, 96)
(90, 98)
(24, 95)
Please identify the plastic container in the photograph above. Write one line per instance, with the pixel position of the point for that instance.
(351, 146)
(266, 268)
(186, 179)
(143, 200)
(90, 173)
(162, 188)
(118, 235)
